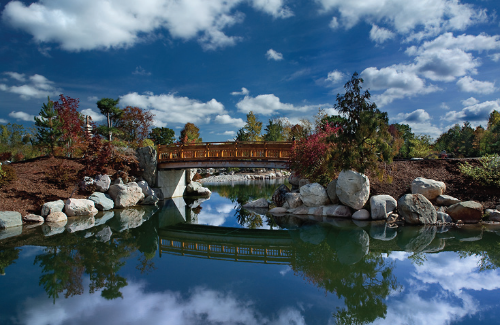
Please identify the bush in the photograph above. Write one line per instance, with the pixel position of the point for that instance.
(61, 175)
(19, 156)
(487, 174)
(7, 175)
(5, 156)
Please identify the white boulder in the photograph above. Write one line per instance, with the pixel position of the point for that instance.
(429, 188)
(79, 207)
(353, 189)
(381, 205)
(313, 195)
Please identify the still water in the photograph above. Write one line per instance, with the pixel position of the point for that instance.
(211, 262)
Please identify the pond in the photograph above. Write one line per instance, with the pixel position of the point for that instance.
(211, 262)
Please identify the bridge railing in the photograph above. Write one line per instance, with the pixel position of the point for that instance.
(275, 151)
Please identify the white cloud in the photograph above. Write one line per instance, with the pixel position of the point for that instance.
(335, 76)
(96, 116)
(92, 99)
(243, 91)
(379, 35)
(470, 85)
(478, 113)
(470, 101)
(169, 108)
(273, 55)
(38, 86)
(334, 24)
(266, 105)
(141, 72)
(445, 64)
(417, 116)
(495, 57)
(229, 133)
(96, 24)
(3, 121)
(420, 122)
(226, 119)
(481, 42)
(22, 116)
(444, 106)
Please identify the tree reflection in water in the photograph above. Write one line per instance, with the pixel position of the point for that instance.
(8, 256)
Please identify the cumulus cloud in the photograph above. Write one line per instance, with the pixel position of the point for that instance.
(266, 105)
(96, 24)
(229, 133)
(37, 86)
(334, 23)
(3, 120)
(470, 85)
(226, 119)
(96, 116)
(470, 101)
(379, 35)
(418, 116)
(335, 76)
(273, 55)
(92, 99)
(243, 91)
(22, 116)
(420, 122)
(495, 57)
(169, 108)
(141, 72)
(478, 113)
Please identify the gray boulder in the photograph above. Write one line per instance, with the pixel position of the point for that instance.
(331, 190)
(353, 189)
(446, 200)
(146, 190)
(381, 205)
(102, 202)
(468, 211)
(158, 193)
(417, 209)
(125, 195)
(493, 214)
(9, 219)
(292, 201)
(148, 162)
(260, 203)
(279, 195)
(33, 218)
(313, 195)
(429, 188)
(294, 179)
(53, 206)
(102, 183)
(150, 200)
(195, 189)
(336, 210)
(57, 217)
(79, 207)
(362, 214)
(304, 181)
(444, 217)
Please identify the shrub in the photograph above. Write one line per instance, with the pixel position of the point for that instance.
(19, 156)
(7, 175)
(61, 175)
(487, 174)
(5, 156)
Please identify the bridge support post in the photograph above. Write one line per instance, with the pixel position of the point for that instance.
(172, 182)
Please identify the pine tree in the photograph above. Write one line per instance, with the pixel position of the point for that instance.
(108, 107)
(49, 126)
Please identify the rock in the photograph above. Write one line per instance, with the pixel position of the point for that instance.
(303, 182)
(33, 218)
(292, 201)
(336, 210)
(362, 214)
(9, 219)
(313, 195)
(353, 189)
(294, 179)
(279, 195)
(75, 224)
(190, 175)
(381, 205)
(279, 175)
(260, 203)
(53, 228)
(277, 210)
(57, 217)
(446, 200)
(102, 183)
(104, 235)
(158, 193)
(125, 195)
(417, 209)
(53, 206)
(443, 217)
(352, 246)
(79, 207)
(429, 188)
(150, 200)
(195, 189)
(147, 158)
(493, 214)
(102, 202)
(146, 190)
(117, 181)
(331, 190)
(468, 212)
(87, 184)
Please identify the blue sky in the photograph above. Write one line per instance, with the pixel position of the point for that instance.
(428, 63)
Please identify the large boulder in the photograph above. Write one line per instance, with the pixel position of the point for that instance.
(147, 158)
(79, 207)
(125, 195)
(353, 189)
(279, 195)
(57, 217)
(150, 200)
(102, 183)
(417, 209)
(52, 206)
(304, 181)
(313, 195)
(9, 219)
(446, 200)
(468, 211)
(331, 190)
(33, 218)
(292, 201)
(429, 188)
(146, 190)
(336, 210)
(102, 202)
(195, 189)
(381, 205)
(362, 214)
(260, 203)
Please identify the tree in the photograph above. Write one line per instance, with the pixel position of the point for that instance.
(363, 138)
(71, 121)
(253, 127)
(49, 126)
(108, 107)
(274, 131)
(190, 134)
(134, 124)
(242, 135)
(162, 136)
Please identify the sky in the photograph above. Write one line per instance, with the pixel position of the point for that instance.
(427, 63)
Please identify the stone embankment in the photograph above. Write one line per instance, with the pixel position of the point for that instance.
(243, 177)
(348, 196)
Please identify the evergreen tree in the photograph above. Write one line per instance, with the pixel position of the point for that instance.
(108, 107)
(49, 126)
(274, 131)
(162, 136)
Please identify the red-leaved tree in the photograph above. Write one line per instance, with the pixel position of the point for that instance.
(134, 124)
(309, 156)
(72, 123)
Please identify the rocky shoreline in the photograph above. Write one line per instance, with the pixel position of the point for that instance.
(243, 177)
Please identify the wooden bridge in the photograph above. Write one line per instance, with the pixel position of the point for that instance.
(225, 154)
